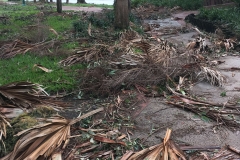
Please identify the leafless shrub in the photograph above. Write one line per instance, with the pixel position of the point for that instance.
(212, 76)
(36, 33)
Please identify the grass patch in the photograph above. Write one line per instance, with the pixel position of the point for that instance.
(20, 68)
(60, 23)
(18, 17)
(185, 4)
(70, 45)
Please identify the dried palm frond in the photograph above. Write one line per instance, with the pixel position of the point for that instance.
(42, 68)
(229, 44)
(19, 47)
(3, 125)
(166, 150)
(93, 54)
(129, 35)
(213, 76)
(14, 48)
(224, 114)
(25, 95)
(198, 45)
(42, 141)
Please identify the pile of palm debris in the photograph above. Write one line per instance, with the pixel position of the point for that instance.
(105, 137)
(60, 138)
(133, 61)
(141, 61)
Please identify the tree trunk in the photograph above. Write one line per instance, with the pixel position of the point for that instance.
(67, 1)
(81, 1)
(51, 1)
(59, 6)
(35, 1)
(122, 11)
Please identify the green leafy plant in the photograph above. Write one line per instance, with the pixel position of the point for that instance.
(223, 94)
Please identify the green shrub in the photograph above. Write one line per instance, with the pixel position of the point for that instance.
(227, 16)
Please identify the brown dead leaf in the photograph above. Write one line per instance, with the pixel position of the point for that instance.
(42, 68)
(54, 31)
(126, 155)
(57, 156)
(180, 83)
(89, 29)
(121, 137)
(107, 140)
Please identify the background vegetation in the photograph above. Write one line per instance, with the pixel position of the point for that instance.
(228, 16)
(185, 4)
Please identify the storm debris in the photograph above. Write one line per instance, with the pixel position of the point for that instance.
(224, 114)
(25, 95)
(44, 140)
(166, 150)
(17, 47)
(3, 127)
(93, 54)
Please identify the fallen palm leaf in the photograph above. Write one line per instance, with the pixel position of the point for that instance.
(126, 155)
(3, 125)
(93, 54)
(57, 156)
(25, 95)
(42, 68)
(222, 113)
(89, 29)
(19, 47)
(107, 140)
(213, 76)
(42, 141)
(166, 150)
(54, 32)
(233, 149)
(227, 153)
